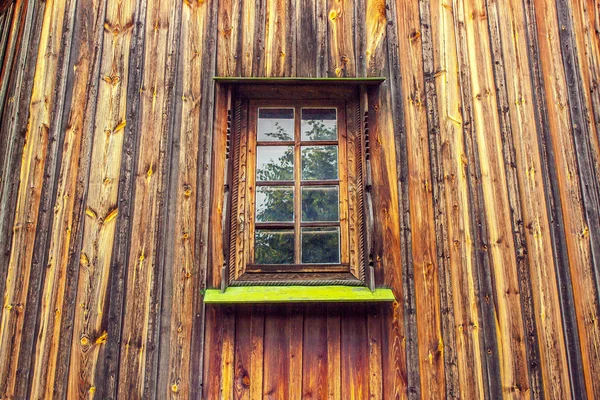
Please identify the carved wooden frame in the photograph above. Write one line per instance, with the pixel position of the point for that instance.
(238, 190)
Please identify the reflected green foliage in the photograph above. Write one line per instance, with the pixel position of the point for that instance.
(274, 247)
(275, 163)
(317, 130)
(319, 162)
(274, 204)
(320, 245)
(279, 134)
(320, 203)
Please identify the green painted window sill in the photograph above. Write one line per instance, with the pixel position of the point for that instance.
(296, 294)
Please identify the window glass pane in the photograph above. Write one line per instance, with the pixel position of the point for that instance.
(320, 203)
(319, 162)
(319, 124)
(275, 163)
(275, 124)
(321, 245)
(275, 204)
(274, 246)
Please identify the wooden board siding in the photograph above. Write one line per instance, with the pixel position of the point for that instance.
(485, 155)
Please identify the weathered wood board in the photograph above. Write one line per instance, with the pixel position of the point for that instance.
(484, 146)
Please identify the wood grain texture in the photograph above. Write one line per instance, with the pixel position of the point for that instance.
(192, 156)
(145, 227)
(35, 152)
(538, 253)
(425, 262)
(340, 29)
(484, 154)
(41, 332)
(460, 234)
(101, 206)
(576, 228)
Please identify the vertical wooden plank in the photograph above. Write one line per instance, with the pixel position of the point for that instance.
(187, 250)
(294, 331)
(459, 231)
(219, 353)
(276, 372)
(73, 174)
(340, 18)
(315, 359)
(229, 49)
(249, 335)
(334, 342)
(374, 337)
(520, 108)
(257, 344)
(145, 227)
(425, 263)
(387, 138)
(101, 206)
(306, 32)
(561, 135)
(26, 209)
(252, 47)
(322, 38)
(9, 28)
(585, 22)
(549, 177)
(354, 353)
(243, 350)
(514, 202)
(280, 38)
(439, 203)
(40, 329)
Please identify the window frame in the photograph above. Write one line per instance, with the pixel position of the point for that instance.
(298, 183)
(240, 100)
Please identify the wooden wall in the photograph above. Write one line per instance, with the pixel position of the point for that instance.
(485, 140)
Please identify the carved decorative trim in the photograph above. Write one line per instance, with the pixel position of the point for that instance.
(240, 221)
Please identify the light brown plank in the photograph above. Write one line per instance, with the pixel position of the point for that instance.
(101, 208)
(459, 230)
(340, 23)
(424, 252)
(528, 167)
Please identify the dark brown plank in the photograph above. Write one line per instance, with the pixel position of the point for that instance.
(307, 47)
(315, 357)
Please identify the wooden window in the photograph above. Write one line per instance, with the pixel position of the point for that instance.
(294, 209)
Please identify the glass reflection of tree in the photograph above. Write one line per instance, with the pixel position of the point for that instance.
(318, 163)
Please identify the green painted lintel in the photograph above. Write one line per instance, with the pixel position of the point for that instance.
(302, 80)
(296, 294)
